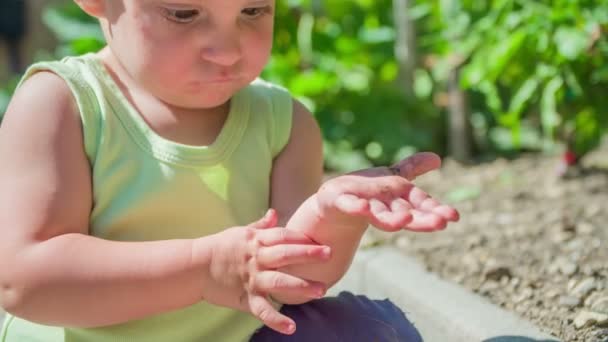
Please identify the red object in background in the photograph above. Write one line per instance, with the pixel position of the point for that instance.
(570, 158)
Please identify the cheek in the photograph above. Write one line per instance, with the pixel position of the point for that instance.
(257, 50)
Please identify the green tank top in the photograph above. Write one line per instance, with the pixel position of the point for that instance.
(146, 187)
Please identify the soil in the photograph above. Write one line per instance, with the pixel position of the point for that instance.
(530, 241)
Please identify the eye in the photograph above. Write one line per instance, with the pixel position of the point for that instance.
(181, 16)
(255, 12)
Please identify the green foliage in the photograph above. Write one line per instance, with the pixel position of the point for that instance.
(539, 66)
(76, 32)
(337, 57)
(535, 72)
(5, 95)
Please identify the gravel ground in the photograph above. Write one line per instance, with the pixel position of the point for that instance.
(527, 240)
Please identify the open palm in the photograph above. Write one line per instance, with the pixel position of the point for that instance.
(387, 197)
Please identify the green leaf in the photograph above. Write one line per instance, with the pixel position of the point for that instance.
(588, 132)
(570, 42)
(503, 53)
(492, 97)
(84, 45)
(549, 117)
(310, 83)
(68, 29)
(423, 84)
(377, 35)
(523, 95)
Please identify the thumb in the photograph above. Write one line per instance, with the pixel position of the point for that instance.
(417, 165)
(269, 220)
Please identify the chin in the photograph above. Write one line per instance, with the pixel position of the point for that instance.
(200, 102)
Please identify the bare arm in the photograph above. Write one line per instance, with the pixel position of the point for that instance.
(296, 177)
(338, 213)
(52, 271)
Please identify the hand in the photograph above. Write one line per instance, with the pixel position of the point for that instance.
(244, 267)
(386, 197)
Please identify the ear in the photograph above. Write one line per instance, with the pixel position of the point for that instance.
(93, 8)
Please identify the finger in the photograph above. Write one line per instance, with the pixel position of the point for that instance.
(445, 211)
(269, 220)
(417, 165)
(416, 197)
(286, 255)
(390, 219)
(352, 205)
(425, 222)
(275, 282)
(262, 309)
(277, 236)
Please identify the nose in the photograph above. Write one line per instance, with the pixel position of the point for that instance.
(223, 50)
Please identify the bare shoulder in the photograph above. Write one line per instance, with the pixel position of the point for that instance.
(305, 125)
(298, 169)
(45, 174)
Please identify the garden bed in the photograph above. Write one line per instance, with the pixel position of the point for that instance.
(528, 241)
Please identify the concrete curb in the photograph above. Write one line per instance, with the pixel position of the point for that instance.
(442, 311)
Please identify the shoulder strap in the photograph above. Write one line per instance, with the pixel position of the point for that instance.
(75, 73)
(281, 115)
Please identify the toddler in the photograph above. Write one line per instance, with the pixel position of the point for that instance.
(137, 184)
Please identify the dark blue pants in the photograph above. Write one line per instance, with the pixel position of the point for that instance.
(347, 318)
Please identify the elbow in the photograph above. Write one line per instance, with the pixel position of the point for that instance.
(15, 284)
(12, 296)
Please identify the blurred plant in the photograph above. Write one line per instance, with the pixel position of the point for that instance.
(537, 70)
(338, 58)
(77, 32)
(534, 72)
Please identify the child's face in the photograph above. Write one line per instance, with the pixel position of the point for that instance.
(190, 53)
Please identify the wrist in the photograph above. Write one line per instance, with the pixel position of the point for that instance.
(329, 214)
(201, 257)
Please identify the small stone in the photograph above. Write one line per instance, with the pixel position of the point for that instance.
(496, 272)
(562, 236)
(588, 318)
(475, 241)
(471, 264)
(584, 287)
(488, 286)
(592, 210)
(515, 281)
(601, 335)
(569, 301)
(504, 219)
(566, 267)
(523, 295)
(585, 228)
(551, 294)
(600, 305)
(575, 245)
(403, 242)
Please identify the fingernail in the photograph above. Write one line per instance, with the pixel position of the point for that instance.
(326, 252)
(290, 328)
